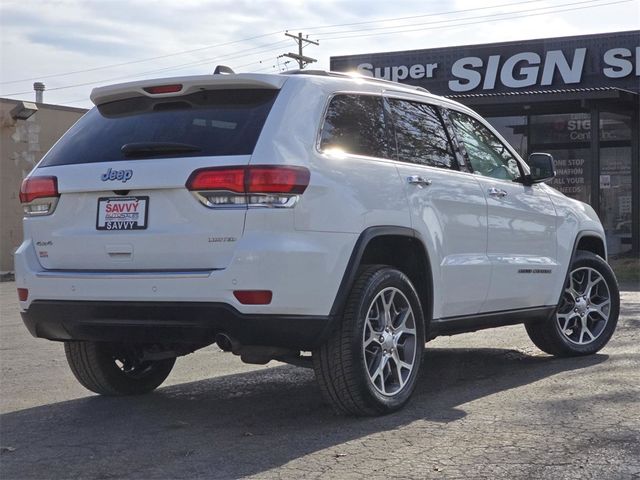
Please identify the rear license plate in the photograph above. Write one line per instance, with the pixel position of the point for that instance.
(122, 213)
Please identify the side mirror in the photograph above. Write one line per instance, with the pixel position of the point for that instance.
(542, 168)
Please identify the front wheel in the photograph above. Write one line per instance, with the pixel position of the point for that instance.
(113, 369)
(587, 314)
(370, 364)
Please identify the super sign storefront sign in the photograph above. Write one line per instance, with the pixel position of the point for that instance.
(569, 62)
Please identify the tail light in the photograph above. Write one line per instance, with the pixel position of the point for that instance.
(39, 195)
(249, 186)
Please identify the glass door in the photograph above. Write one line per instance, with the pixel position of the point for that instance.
(615, 180)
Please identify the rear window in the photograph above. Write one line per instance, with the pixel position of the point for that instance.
(218, 122)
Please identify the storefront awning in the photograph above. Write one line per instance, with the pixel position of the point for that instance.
(530, 96)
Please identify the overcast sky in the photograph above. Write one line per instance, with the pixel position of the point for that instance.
(110, 41)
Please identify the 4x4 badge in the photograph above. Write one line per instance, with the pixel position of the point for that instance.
(122, 175)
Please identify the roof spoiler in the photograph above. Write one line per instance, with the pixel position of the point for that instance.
(178, 86)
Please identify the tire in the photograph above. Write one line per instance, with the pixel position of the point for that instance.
(111, 369)
(587, 313)
(358, 368)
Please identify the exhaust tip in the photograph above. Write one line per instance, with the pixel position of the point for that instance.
(224, 342)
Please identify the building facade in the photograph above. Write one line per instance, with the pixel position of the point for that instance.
(23, 142)
(577, 98)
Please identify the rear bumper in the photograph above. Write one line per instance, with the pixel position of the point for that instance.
(191, 323)
(302, 269)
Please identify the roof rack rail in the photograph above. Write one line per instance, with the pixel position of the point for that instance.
(223, 70)
(329, 73)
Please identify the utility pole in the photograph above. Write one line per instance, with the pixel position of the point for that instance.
(299, 57)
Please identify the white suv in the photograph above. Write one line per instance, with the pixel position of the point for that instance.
(317, 212)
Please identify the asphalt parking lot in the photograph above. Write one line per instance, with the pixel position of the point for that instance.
(489, 405)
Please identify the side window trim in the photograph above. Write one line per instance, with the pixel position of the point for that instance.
(390, 128)
(459, 150)
(460, 159)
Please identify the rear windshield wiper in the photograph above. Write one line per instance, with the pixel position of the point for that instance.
(146, 149)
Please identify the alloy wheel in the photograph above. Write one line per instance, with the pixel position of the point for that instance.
(389, 341)
(585, 306)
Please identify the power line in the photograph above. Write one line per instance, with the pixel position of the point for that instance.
(71, 102)
(272, 67)
(253, 63)
(241, 53)
(413, 17)
(131, 62)
(476, 22)
(459, 19)
(211, 60)
(86, 99)
(113, 65)
(448, 24)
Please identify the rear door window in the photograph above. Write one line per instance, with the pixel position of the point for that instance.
(355, 124)
(420, 134)
(214, 122)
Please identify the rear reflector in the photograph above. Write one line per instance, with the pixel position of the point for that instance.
(250, 179)
(23, 294)
(38, 187)
(163, 89)
(253, 297)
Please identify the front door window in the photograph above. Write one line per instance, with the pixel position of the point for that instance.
(487, 154)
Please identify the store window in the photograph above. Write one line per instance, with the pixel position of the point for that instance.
(568, 138)
(514, 131)
(615, 180)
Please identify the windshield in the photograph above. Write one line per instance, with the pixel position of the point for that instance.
(214, 122)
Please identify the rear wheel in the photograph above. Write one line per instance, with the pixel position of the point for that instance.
(370, 364)
(112, 369)
(587, 314)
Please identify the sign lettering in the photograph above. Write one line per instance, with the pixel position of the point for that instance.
(588, 61)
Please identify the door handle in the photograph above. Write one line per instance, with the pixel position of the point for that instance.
(497, 192)
(418, 180)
